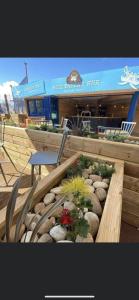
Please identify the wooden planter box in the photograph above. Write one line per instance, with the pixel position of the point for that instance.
(109, 229)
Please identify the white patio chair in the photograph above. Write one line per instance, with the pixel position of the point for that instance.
(64, 124)
(86, 125)
(125, 129)
(128, 127)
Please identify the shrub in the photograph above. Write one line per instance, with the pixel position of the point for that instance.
(77, 187)
(116, 137)
(99, 168)
(33, 126)
(103, 169)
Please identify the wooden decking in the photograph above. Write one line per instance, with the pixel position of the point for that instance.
(12, 175)
(129, 234)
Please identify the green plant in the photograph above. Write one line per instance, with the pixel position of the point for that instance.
(79, 226)
(93, 135)
(103, 169)
(98, 168)
(84, 162)
(52, 129)
(77, 187)
(84, 203)
(73, 171)
(116, 137)
(43, 127)
(75, 224)
(34, 127)
(76, 170)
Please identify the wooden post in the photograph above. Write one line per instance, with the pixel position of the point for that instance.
(7, 104)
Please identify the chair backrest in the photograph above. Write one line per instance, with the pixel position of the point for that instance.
(86, 125)
(60, 152)
(64, 125)
(128, 127)
(85, 113)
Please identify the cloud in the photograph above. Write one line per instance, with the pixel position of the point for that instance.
(6, 89)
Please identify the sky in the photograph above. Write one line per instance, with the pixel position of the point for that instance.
(12, 70)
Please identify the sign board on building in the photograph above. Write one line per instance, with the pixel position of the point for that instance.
(110, 80)
(30, 89)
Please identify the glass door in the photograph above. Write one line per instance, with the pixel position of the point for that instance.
(39, 107)
(36, 107)
(31, 107)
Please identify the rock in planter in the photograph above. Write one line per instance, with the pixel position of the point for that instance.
(88, 239)
(85, 174)
(93, 222)
(57, 212)
(85, 209)
(58, 197)
(29, 218)
(101, 184)
(49, 198)
(26, 237)
(56, 190)
(95, 178)
(88, 181)
(70, 197)
(58, 233)
(97, 209)
(12, 233)
(38, 207)
(92, 189)
(33, 219)
(69, 205)
(32, 226)
(45, 210)
(45, 238)
(89, 170)
(46, 226)
(126, 141)
(101, 194)
(106, 180)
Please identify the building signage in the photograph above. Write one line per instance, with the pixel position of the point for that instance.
(130, 78)
(30, 89)
(126, 78)
(74, 78)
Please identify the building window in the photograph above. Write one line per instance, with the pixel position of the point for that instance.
(39, 106)
(32, 108)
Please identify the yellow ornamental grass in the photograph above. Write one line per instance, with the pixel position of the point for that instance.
(76, 185)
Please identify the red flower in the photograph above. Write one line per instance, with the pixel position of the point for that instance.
(66, 218)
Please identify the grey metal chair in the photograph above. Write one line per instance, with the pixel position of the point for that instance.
(47, 157)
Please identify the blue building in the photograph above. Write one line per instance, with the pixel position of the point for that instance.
(111, 96)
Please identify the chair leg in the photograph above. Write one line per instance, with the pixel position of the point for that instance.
(32, 174)
(9, 157)
(3, 174)
(39, 169)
